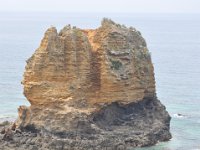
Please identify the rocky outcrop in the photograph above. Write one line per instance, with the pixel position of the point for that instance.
(109, 64)
(93, 89)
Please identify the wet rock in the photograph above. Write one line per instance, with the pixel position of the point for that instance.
(3, 131)
(13, 127)
(8, 136)
(4, 123)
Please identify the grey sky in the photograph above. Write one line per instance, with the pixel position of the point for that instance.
(126, 6)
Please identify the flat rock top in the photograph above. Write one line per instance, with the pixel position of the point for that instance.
(85, 67)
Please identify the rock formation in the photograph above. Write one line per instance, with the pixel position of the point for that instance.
(93, 88)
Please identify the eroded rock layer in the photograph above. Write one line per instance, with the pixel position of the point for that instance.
(105, 65)
(96, 85)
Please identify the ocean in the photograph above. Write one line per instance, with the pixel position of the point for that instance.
(172, 39)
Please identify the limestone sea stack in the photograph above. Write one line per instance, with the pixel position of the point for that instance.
(93, 89)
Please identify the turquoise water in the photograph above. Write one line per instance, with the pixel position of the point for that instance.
(173, 40)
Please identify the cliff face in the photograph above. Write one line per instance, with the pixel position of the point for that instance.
(94, 84)
(105, 65)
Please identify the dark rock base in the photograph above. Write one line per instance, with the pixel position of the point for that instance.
(118, 127)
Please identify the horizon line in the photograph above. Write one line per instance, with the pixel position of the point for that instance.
(85, 12)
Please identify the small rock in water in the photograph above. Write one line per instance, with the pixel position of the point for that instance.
(5, 123)
(179, 115)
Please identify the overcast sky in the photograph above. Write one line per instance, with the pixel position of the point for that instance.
(126, 6)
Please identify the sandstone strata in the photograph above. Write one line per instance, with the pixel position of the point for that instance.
(93, 89)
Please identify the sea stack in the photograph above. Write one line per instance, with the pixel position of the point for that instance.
(93, 89)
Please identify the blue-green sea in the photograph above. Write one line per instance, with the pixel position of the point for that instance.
(174, 43)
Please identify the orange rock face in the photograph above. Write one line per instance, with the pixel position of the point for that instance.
(104, 65)
(93, 87)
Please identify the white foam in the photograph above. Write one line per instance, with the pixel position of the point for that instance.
(178, 116)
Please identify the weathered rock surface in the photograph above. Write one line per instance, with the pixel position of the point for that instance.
(93, 89)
